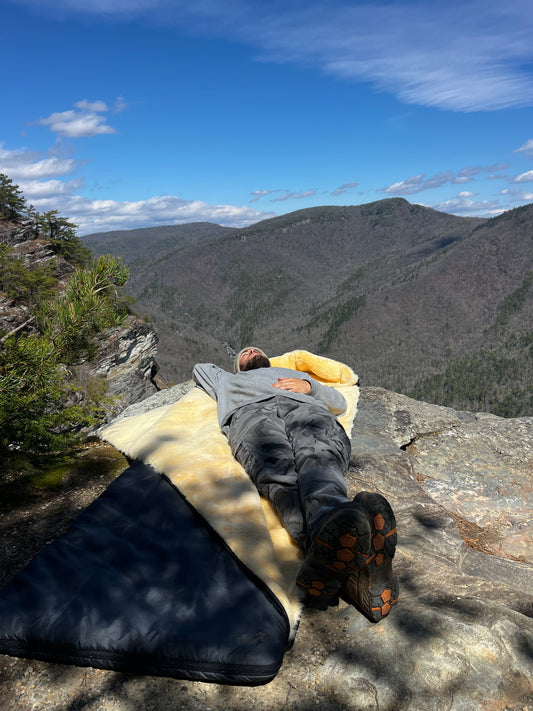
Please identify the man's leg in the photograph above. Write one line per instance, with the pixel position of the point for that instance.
(259, 442)
(321, 451)
(353, 543)
(296, 454)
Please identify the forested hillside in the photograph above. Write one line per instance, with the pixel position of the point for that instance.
(151, 244)
(417, 301)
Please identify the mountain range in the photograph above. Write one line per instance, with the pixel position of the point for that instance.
(418, 301)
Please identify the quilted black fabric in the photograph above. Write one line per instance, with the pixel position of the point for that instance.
(140, 583)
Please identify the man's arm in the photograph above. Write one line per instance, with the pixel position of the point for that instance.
(207, 376)
(325, 394)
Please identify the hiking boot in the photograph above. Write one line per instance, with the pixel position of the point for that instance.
(341, 546)
(372, 588)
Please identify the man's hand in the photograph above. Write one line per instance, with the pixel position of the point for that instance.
(295, 385)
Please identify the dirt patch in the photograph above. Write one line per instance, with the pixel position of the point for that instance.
(484, 539)
(39, 501)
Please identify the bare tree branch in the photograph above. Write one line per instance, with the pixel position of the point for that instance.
(18, 328)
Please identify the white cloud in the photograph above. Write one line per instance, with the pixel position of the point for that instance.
(22, 164)
(83, 121)
(105, 215)
(467, 207)
(47, 167)
(524, 177)
(527, 148)
(466, 194)
(38, 190)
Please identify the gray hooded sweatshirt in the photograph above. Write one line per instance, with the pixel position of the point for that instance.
(232, 391)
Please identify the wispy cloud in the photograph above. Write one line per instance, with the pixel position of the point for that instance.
(463, 55)
(527, 148)
(419, 183)
(472, 170)
(343, 188)
(517, 196)
(295, 196)
(85, 120)
(258, 194)
(103, 8)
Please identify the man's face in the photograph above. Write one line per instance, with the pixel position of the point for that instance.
(251, 359)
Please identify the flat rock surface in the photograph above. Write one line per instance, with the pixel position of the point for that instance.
(461, 637)
(483, 472)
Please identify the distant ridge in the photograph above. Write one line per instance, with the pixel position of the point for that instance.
(136, 246)
(402, 292)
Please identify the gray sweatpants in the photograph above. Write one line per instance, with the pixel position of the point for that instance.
(297, 455)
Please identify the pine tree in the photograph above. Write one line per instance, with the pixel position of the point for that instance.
(62, 234)
(12, 202)
(92, 302)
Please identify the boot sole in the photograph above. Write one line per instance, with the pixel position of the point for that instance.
(373, 589)
(341, 547)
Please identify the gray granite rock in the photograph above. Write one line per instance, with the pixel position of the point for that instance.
(482, 471)
(125, 360)
(462, 634)
(168, 396)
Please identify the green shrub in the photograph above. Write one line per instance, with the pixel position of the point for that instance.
(38, 397)
(28, 285)
(92, 302)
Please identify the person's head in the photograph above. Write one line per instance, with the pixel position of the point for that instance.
(250, 358)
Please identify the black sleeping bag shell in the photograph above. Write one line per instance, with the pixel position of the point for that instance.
(141, 583)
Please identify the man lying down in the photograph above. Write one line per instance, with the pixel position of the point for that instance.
(282, 427)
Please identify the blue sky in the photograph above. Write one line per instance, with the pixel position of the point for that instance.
(131, 113)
